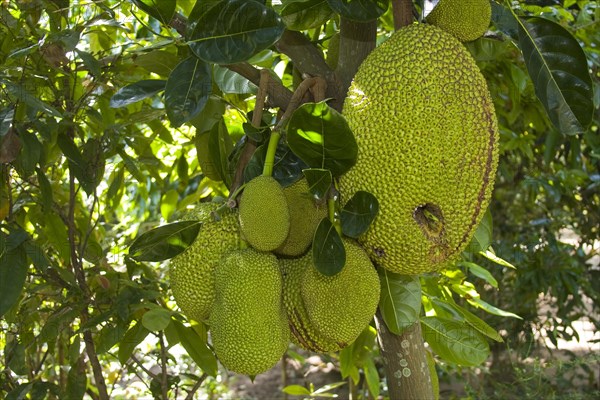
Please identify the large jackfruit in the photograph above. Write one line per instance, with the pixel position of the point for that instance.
(342, 305)
(249, 327)
(427, 140)
(465, 19)
(192, 272)
(303, 332)
(305, 216)
(264, 213)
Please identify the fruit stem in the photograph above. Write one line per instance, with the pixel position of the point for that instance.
(270, 157)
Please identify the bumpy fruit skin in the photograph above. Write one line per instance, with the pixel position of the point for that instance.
(305, 216)
(192, 272)
(467, 20)
(248, 323)
(341, 306)
(427, 140)
(303, 332)
(264, 213)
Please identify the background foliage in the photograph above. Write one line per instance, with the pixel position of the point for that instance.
(116, 115)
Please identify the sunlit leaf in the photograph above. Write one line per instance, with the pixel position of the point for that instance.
(477, 302)
(489, 254)
(329, 255)
(480, 272)
(165, 241)
(400, 301)
(296, 390)
(196, 348)
(136, 92)
(156, 319)
(235, 30)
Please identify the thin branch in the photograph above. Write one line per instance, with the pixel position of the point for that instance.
(190, 395)
(279, 96)
(139, 363)
(164, 376)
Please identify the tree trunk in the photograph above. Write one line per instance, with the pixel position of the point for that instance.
(405, 362)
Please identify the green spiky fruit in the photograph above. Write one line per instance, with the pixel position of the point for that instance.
(427, 140)
(248, 323)
(192, 272)
(305, 216)
(264, 213)
(342, 305)
(465, 19)
(303, 332)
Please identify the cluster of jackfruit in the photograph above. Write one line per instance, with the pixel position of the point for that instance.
(427, 141)
(249, 275)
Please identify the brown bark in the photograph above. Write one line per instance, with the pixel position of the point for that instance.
(403, 13)
(405, 362)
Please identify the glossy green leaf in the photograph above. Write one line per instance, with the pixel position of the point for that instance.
(306, 14)
(477, 302)
(13, 271)
(482, 239)
(359, 10)
(480, 272)
(319, 181)
(558, 68)
(165, 241)
(196, 348)
(287, 167)
(134, 336)
(400, 301)
(220, 146)
(162, 10)
(187, 90)
(229, 81)
(156, 319)
(455, 342)
(329, 254)
(320, 136)
(296, 390)
(136, 92)
(234, 30)
(210, 114)
(505, 21)
(358, 213)
(489, 254)
(160, 62)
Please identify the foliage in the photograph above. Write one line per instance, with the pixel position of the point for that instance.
(115, 116)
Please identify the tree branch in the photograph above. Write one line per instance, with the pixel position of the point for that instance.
(403, 13)
(357, 40)
(190, 395)
(164, 376)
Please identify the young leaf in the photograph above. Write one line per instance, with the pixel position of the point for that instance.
(319, 181)
(558, 68)
(329, 255)
(156, 319)
(136, 92)
(196, 348)
(305, 14)
(480, 272)
(235, 30)
(296, 390)
(493, 257)
(187, 90)
(165, 241)
(321, 137)
(359, 213)
(400, 301)
(359, 10)
(454, 341)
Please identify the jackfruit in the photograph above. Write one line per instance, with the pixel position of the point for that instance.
(427, 140)
(303, 332)
(305, 216)
(342, 305)
(192, 272)
(465, 19)
(248, 323)
(264, 213)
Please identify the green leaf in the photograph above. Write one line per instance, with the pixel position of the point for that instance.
(232, 31)
(168, 203)
(160, 9)
(56, 322)
(477, 302)
(320, 136)
(558, 68)
(505, 21)
(400, 301)
(156, 319)
(329, 255)
(435, 382)
(489, 254)
(358, 213)
(90, 62)
(196, 348)
(134, 336)
(76, 383)
(165, 241)
(319, 181)
(296, 390)
(160, 62)
(187, 90)
(6, 120)
(30, 99)
(30, 154)
(480, 272)
(305, 14)
(13, 271)
(229, 81)
(45, 198)
(359, 10)
(287, 167)
(482, 239)
(136, 92)
(372, 377)
(220, 146)
(455, 342)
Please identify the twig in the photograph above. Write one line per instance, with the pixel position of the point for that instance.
(164, 382)
(190, 395)
(139, 363)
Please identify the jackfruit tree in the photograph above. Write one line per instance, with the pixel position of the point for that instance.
(287, 178)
